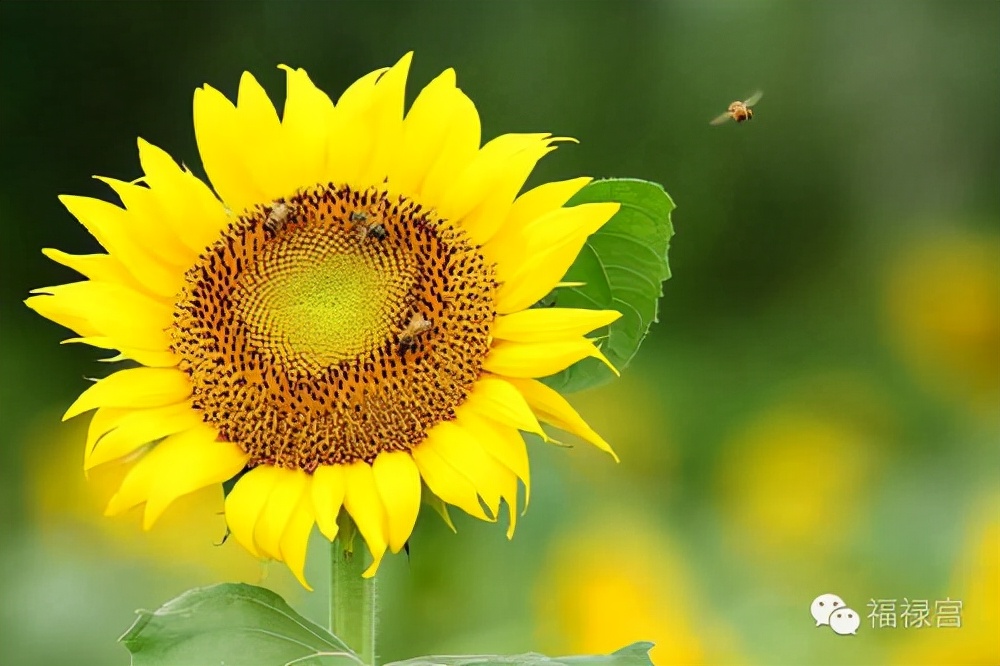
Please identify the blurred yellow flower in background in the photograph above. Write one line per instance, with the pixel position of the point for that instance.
(976, 582)
(67, 507)
(943, 312)
(619, 580)
(631, 414)
(792, 485)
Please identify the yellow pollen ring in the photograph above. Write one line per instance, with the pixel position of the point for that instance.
(316, 312)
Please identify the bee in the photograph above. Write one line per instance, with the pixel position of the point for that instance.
(278, 217)
(376, 230)
(360, 220)
(739, 111)
(417, 326)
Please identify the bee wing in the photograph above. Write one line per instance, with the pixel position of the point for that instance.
(721, 119)
(754, 98)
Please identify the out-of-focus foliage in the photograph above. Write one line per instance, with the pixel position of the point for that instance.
(817, 411)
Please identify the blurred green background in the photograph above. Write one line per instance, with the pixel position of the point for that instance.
(817, 411)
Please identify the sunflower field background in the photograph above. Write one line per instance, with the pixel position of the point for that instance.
(817, 411)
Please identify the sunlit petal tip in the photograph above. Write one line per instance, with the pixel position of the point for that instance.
(604, 359)
(327, 492)
(149, 518)
(404, 62)
(397, 480)
(512, 514)
(376, 561)
(116, 506)
(448, 77)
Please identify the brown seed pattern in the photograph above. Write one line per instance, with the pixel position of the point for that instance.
(291, 333)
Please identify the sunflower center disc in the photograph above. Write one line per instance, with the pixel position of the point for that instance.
(332, 326)
(319, 309)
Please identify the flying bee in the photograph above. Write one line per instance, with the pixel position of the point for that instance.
(278, 217)
(417, 326)
(739, 111)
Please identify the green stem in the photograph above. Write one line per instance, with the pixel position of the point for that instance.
(352, 598)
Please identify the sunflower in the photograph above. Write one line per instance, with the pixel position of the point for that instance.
(345, 325)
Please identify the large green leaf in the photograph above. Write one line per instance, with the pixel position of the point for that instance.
(636, 654)
(234, 624)
(623, 267)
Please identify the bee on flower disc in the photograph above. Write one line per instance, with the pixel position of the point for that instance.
(278, 217)
(739, 111)
(417, 326)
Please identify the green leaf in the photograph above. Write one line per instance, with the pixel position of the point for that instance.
(231, 623)
(636, 654)
(623, 266)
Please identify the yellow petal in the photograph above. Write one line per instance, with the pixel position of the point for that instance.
(223, 149)
(398, 482)
(540, 359)
(140, 427)
(102, 422)
(246, 501)
(305, 127)
(497, 399)
(147, 221)
(427, 124)
(444, 480)
(295, 539)
(537, 202)
(135, 387)
(385, 117)
(281, 503)
(328, 486)
(266, 155)
(508, 249)
(350, 139)
(503, 442)
(550, 246)
(553, 408)
(97, 267)
(494, 163)
(151, 359)
(455, 149)
(358, 96)
(126, 316)
(189, 206)
(488, 216)
(551, 324)
(63, 314)
(180, 464)
(439, 507)
(196, 460)
(113, 229)
(459, 449)
(363, 504)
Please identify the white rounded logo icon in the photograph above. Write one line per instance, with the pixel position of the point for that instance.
(824, 605)
(845, 621)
